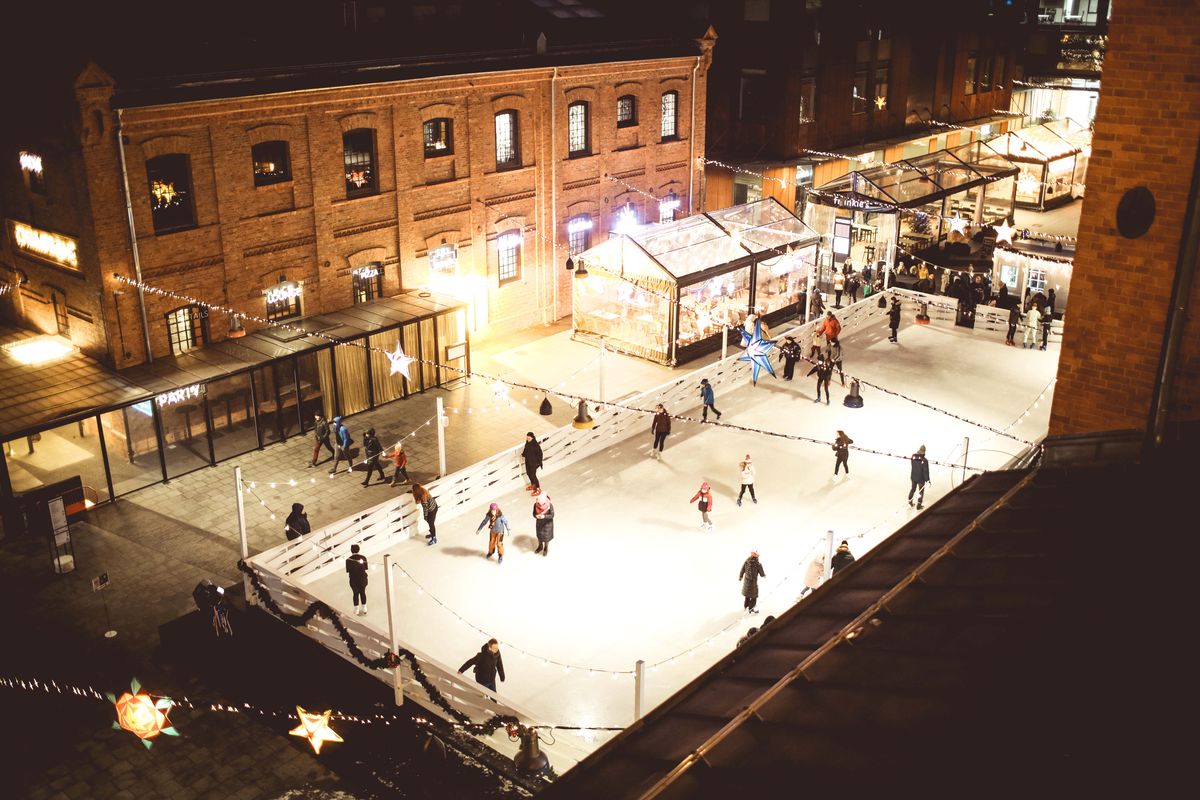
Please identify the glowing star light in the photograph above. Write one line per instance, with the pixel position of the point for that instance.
(142, 715)
(500, 390)
(1004, 232)
(400, 362)
(958, 224)
(315, 728)
(757, 349)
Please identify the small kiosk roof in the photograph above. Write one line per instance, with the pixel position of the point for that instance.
(1044, 143)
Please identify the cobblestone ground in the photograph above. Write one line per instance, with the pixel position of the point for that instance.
(158, 543)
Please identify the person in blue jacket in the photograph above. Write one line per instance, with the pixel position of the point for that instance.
(706, 397)
(341, 444)
(497, 525)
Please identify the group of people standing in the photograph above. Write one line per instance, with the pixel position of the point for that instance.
(336, 439)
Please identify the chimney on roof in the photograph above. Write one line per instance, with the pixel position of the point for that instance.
(541, 44)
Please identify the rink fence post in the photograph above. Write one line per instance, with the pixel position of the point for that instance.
(441, 436)
(241, 519)
(828, 556)
(393, 639)
(639, 689)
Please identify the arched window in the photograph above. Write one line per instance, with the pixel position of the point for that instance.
(578, 130)
(439, 137)
(508, 149)
(187, 328)
(670, 115)
(626, 111)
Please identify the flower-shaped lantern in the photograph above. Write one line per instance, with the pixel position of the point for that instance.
(142, 715)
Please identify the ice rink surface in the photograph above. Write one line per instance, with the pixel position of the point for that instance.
(630, 574)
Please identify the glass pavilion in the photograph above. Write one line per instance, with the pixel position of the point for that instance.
(665, 292)
(1053, 160)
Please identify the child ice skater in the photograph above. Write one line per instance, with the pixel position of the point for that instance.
(704, 501)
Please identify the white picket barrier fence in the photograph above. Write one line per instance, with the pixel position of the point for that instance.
(988, 319)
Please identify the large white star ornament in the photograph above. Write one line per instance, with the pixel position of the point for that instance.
(1004, 232)
(958, 224)
(757, 349)
(400, 362)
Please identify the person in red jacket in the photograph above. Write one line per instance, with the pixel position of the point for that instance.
(660, 427)
(705, 504)
(400, 459)
(831, 327)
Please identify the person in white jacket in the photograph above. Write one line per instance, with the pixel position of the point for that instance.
(746, 468)
(1033, 322)
(814, 575)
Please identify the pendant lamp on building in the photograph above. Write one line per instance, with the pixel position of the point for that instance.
(923, 314)
(236, 331)
(545, 409)
(854, 399)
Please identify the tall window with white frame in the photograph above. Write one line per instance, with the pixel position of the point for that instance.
(578, 130)
(670, 116)
(187, 328)
(508, 249)
(508, 151)
(579, 233)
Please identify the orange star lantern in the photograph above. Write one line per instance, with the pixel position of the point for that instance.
(142, 715)
(315, 728)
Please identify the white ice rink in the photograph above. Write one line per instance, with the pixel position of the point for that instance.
(631, 576)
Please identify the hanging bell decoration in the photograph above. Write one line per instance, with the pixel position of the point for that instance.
(545, 409)
(582, 421)
(854, 399)
(923, 314)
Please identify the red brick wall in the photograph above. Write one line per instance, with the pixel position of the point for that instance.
(1147, 129)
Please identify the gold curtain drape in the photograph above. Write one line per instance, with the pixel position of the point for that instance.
(352, 377)
(388, 387)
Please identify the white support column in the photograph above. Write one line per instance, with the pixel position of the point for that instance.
(600, 369)
(639, 689)
(441, 436)
(966, 448)
(724, 342)
(393, 641)
(241, 519)
(828, 556)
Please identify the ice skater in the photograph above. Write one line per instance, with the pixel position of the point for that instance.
(321, 438)
(839, 285)
(842, 558)
(341, 445)
(532, 455)
(789, 354)
(835, 361)
(1047, 320)
(543, 522)
(704, 502)
(1014, 316)
(920, 477)
(817, 343)
(1033, 320)
(400, 462)
(429, 509)
(372, 449)
(750, 573)
(661, 428)
(841, 447)
(497, 525)
(707, 397)
(814, 575)
(894, 320)
(356, 570)
(824, 370)
(747, 471)
(488, 663)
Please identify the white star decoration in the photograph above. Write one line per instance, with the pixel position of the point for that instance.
(400, 362)
(500, 390)
(1004, 232)
(958, 224)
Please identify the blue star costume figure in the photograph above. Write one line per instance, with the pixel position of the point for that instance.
(756, 351)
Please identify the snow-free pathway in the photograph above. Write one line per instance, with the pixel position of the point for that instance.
(631, 576)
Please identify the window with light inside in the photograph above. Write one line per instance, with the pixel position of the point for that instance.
(509, 256)
(185, 329)
(170, 180)
(507, 153)
(438, 137)
(358, 156)
(670, 115)
(626, 111)
(270, 160)
(577, 129)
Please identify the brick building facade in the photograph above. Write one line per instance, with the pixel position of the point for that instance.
(464, 182)
(1147, 129)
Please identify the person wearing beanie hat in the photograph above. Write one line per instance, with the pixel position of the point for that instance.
(707, 397)
(497, 525)
(841, 446)
(750, 573)
(704, 501)
(297, 523)
(373, 449)
(356, 571)
(920, 477)
(543, 521)
(341, 445)
(894, 320)
(747, 471)
(842, 558)
(532, 456)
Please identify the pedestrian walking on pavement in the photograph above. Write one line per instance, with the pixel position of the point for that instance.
(497, 525)
(296, 524)
(341, 445)
(894, 320)
(661, 428)
(841, 446)
(321, 438)
(429, 509)
(704, 502)
(356, 569)
(1033, 320)
(842, 558)
(751, 571)
(543, 522)
(372, 449)
(400, 461)
(747, 472)
(707, 397)
(532, 456)
(789, 354)
(488, 663)
(920, 477)
(814, 575)
(824, 370)
(835, 361)
(1014, 316)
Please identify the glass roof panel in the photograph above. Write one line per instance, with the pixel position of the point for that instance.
(909, 181)
(689, 245)
(762, 225)
(903, 181)
(1067, 128)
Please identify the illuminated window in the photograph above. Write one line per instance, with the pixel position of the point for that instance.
(187, 328)
(508, 154)
(367, 283)
(626, 111)
(579, 233)
(1037, 280)
(438, 135)
(508, 247)
(670, 115)
(443, 260)
(668, 208)
(283, 305)
(358, 155)
(170, 179)
(808, 98)
(270, 161)
(577, 130)
(882, 73)
(31, 167)
(860, 99)
(971, 74)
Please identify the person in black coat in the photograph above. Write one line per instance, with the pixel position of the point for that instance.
(790, 353)
(488, 663)
(373, 449)
(842, 558)
(749, 574)
(532, 455)
(356, 570)
(919, 475)
(894, 320)
(1014, 316)
(297, 523)
(824, 370)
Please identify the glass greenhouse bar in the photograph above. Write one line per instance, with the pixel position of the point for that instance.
(1053, 160)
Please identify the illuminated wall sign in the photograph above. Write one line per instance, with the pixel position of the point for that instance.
(178, 395)
(364, 273)
(444, 258)
(31, 162)
(283, 292)
(858, 202)
(52, 247)
(581, 224)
